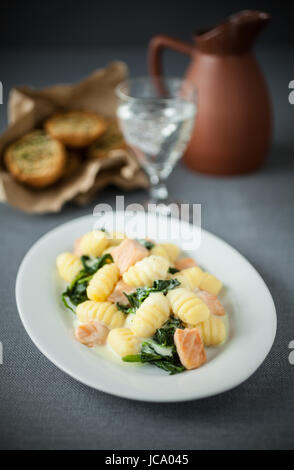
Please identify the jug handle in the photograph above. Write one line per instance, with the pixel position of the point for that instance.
(156, 47)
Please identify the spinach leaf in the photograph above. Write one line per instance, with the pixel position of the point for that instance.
(125, 308)
(91, 265)
(150, 354)
(65, 302)
(132, 358)
(146, 243)
(161, 350)
(172, 270)
(170, 367)
(133, 300)
(165, 285)
(76, 292)
(165, 334)
(150, 346)
(136, 298)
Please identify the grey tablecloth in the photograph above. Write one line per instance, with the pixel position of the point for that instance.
(41, 407)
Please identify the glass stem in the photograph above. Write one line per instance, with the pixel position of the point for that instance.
(158, 190)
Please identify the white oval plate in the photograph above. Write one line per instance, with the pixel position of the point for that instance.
(250, 307)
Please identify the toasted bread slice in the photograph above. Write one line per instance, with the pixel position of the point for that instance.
(111, 139)
(76, 128)
(36, 159)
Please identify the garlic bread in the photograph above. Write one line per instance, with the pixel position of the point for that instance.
(76, 128)
(111, 139)
(36, 159)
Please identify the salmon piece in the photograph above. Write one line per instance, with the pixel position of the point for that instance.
(77, 249)
(92, 333)
(128, 253)
(212, 302)
(117, 295)
(190, 347)
(185, 263)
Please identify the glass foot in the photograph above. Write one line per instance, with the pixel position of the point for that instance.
(158, 193)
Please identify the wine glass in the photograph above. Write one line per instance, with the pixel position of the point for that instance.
(156, 116)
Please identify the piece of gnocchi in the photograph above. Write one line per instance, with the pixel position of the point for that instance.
(213, 331)
(123, 341)
(93, 243)
(104, 312)
(146, 271)
(211, 284)
(170, 251)
(68, 266)
(152, 314)
(187, 306)
(195, 277)
(103, 282)
(189, 278)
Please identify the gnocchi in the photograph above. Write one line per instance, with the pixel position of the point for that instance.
(187, 306)
(146, 271)
(103, 282)
(194, 277)
(123, 341)
(94, 243)
(142, 300)
(104, 312)
(213, 331)
(166, 250)
(152, 314)
(68, 266)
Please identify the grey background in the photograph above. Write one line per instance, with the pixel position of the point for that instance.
(116, 22)
(40, 406)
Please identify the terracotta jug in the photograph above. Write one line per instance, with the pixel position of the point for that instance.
(233, 125)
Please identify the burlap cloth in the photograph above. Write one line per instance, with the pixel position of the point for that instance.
(27, 108)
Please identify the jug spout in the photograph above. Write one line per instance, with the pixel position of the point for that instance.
(235, 36)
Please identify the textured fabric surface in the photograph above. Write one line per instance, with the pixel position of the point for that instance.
(41, 407)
